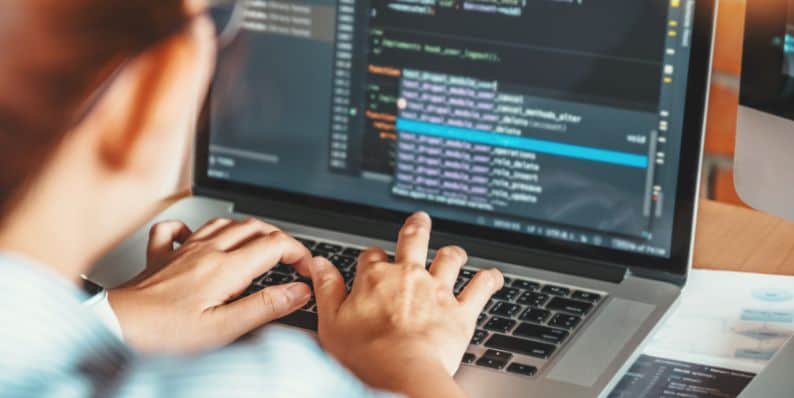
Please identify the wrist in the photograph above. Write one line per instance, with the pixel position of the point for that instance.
(420, 379)
(412, 371)
(99, 304)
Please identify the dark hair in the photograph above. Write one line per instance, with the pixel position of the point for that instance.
(53, 55)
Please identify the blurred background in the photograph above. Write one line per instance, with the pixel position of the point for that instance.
(723, 104)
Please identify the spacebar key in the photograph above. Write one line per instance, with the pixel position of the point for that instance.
(301, 319)
(520, 346)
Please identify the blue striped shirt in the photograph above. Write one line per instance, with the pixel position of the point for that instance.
(51, 346)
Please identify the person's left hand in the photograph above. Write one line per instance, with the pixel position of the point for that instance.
(181, 302)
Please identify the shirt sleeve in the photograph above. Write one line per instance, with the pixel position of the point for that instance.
(100, 306)
(278, 363)
(51, 345)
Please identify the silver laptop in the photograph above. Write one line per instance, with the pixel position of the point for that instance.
(557, 140)
(775, 380)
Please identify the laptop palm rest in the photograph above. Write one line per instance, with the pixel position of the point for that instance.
(610, 331)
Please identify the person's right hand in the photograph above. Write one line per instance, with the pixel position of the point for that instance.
(401, 328)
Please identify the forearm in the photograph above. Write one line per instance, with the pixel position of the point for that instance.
(431, 383)
(276, 364)
(414, 379)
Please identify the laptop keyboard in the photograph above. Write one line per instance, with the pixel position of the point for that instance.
(519, 331)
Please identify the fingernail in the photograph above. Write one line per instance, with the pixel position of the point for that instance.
(410, 229)
(422, 214)
(298, 291)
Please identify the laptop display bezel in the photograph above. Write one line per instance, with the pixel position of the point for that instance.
(686, 197)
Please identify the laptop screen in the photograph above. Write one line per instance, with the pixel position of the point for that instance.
(559, 119)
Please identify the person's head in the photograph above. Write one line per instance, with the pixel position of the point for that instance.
(97, 104)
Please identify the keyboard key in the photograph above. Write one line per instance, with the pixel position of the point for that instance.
(305, 280)
(310, 305)
(460, 284)
(301, 319)
(259, 278)
(284, 269)
(533, 299)
(508, 280)
(522, 369)
(351, 252)
(491, 363)
(348, 275)
(526, 285)
(507, 310)
(564, 321)
(586, 296)
(570, 306)
(536, 315)
(520, 346)
(342, 262)
(251, 290)
(538, 332)
(505, 356)
(502, 325)
(275, 278)
(469, 358)
(556, 290)
(328, 247)
(467, 273)
(506, 294)
(307, 242)
(481, 318)
(322, 253)
(479, 337)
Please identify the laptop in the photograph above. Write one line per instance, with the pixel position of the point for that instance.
(557, 140)
(775, 380)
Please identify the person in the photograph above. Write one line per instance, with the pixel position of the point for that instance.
(97, 102)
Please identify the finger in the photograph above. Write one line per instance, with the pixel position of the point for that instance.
(209, 229)
(479, 290)
(413, 240)
(261, 254)
(197, 7)
(161, 240)
(329, 288)
(447, 264)
(242, 316)
(368, 257)
(239, 232)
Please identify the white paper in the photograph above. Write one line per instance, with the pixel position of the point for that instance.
(728, 319)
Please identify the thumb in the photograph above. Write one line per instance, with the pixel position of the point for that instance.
(329, 287)
(161, 241)
(269, 304)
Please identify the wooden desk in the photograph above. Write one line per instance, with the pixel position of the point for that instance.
(739, 239)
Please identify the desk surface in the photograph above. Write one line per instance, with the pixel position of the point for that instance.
(739, 239)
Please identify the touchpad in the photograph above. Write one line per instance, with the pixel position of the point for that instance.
(587, 359)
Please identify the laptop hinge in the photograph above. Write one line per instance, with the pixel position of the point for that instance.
(641, 272)
(384, 230)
